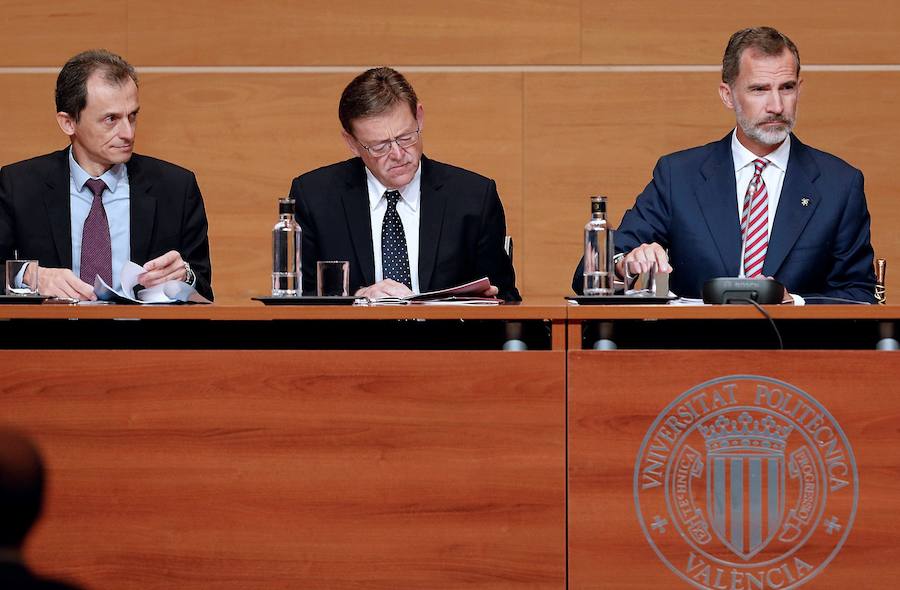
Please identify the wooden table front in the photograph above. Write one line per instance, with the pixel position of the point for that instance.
(294, 469)
(427, 469)
(644, 485)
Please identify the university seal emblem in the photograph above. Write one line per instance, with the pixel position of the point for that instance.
(746, 482)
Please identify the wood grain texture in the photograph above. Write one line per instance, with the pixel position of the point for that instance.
(828, 31)
(48, 33)
(281, 469)
(602, 134)
(29, 117)
(555, 310)
(472, 32)
(547, 308)
(607, 424)
(346, 32)
(732, 312)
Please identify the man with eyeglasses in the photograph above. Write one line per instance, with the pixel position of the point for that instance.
(406, 223)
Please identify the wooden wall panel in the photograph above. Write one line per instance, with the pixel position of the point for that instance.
(348, 32)
(607, 424)
(602, 134)
(246, 137)
(49, 33)
(28, 117)
(657, 32)
(588, 134)
(472, 32)
(287, 469)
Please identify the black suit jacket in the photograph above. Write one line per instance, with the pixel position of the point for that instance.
(166, 210)
(820, 242)
(461, 226)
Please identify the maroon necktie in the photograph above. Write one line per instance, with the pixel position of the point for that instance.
(96, 250)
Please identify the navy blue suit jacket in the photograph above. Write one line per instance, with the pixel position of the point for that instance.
(461, 226)
(818, 249)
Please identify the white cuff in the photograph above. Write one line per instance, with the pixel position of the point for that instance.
(19, 281)
(797, 299)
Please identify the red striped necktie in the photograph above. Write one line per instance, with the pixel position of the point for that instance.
(755, 222)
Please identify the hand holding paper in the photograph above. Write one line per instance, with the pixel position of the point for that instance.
(168, 267)
(170, 291)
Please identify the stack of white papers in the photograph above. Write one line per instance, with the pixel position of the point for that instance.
(168, 292)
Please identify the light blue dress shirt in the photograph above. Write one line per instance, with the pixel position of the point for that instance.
(116, 201)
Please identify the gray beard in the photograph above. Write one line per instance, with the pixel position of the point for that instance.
(763, 136)
(767, 136)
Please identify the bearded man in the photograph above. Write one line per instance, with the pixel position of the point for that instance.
(758, 202)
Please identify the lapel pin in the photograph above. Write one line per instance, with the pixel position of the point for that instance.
(805, 201)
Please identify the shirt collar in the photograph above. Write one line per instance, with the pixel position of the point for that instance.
(409, 194)
(111, 177)
(744, 157)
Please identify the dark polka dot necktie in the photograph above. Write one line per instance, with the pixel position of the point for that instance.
(96, 247)
(394, 256)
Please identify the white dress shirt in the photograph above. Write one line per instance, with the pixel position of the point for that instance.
(772, 175)
(408, 209)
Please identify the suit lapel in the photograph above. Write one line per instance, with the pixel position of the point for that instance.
(142, 209)
(56, 202)
(792, 215)
(716, 193)
(431, 217)
(359, 221)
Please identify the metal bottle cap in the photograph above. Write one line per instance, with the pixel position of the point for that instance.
(286, 206)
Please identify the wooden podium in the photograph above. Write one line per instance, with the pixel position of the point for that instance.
(215, 446)
(683, 473)
(237, 468)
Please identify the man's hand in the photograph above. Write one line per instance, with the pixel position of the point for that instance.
(168, 267)
(641, 258)
(385, 288)
(490, 292)
(786, 298)
(62, 282)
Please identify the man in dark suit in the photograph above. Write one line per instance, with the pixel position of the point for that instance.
(407, 224)
(21, 499)
(86, 210)
(757, 203)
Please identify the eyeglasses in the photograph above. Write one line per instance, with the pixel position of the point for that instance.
(383, 147)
